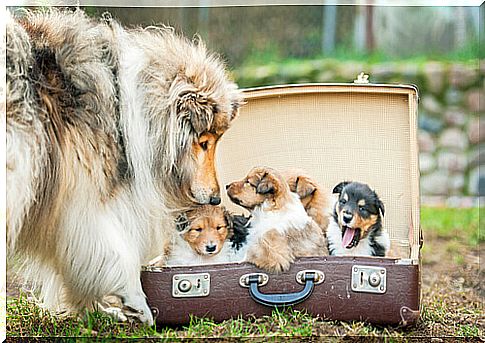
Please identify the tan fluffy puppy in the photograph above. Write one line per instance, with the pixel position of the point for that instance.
(204, 232)
(280, 229)
(312, 196)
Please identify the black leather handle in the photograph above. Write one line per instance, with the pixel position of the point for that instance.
(283, 299)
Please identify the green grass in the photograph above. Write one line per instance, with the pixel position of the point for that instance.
(451, 305)
(461, 224)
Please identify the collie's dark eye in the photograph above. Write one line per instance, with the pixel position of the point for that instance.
(220, 228)
(362, 209)
(204, 145)
(342, 201)
(198, 229)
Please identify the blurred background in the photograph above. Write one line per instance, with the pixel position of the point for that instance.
(436, 48)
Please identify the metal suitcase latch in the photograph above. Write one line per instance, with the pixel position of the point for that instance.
(369, 279)
(191, 285)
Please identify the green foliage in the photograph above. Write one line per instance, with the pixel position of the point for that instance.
(272, 54)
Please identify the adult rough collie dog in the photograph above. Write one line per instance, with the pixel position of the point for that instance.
(109, 131)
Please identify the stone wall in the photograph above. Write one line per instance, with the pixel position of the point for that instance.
(452, 100)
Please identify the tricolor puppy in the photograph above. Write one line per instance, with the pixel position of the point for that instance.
(313, 197)
(280, 229)
(207, 235)
(356, 226)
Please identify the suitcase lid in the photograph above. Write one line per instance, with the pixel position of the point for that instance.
(335, 132)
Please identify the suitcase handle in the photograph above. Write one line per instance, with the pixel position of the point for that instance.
(283, 299)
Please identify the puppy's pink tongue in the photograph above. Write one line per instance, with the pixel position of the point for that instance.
(348, 236)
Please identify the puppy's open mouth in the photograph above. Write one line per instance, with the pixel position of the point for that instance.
(350, 237)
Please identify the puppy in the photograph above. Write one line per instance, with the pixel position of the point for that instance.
(207, 235)
(356, 226)
(280, 229)
(313, 197)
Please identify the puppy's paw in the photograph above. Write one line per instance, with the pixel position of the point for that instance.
(282, 265)
(272, 264)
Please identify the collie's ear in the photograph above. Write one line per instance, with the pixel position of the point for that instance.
(380, 204)
(340, 187)
(191, 105)
(265, 186)
(235, 105)
(182, 223)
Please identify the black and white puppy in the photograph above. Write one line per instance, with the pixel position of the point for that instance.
(355, 228)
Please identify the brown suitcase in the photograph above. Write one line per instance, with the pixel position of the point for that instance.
(336, 132)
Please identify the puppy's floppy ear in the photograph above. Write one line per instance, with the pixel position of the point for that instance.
(340, 187)
(304, 187)
(266, 185)
(380, 205)
(229, 221)
(182, 222)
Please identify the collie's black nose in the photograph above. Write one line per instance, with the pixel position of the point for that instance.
(215, 200)
(227, 186)
(210, 248)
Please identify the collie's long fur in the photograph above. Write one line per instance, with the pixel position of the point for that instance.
(109, 131)
(280, 229)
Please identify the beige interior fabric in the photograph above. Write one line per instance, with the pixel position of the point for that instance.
(335, 133)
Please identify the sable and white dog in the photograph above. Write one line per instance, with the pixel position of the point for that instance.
(206, 235)
(108, 132)
(280, 229)
(356, 226)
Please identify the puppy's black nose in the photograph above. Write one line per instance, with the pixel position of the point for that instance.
(347, 217)
(210, 248)
(215, 200)
(227, 186)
